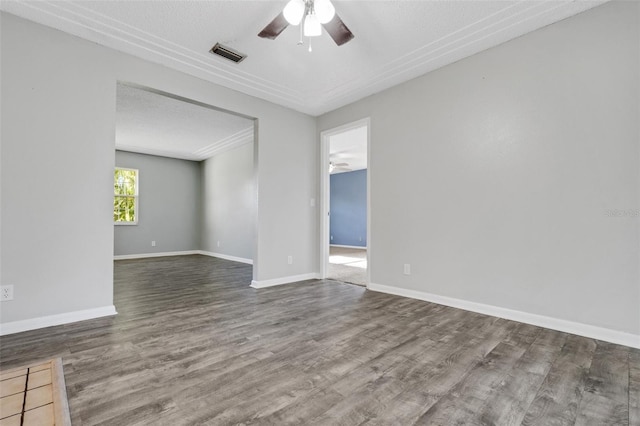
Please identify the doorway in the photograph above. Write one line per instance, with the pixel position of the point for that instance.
(197, 170)
(345, 219)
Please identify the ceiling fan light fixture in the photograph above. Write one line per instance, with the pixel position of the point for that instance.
(324, 10)
(311, 15)
(312, 27)
(294, 11)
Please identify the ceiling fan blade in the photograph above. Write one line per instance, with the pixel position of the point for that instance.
(341, 164)
(274, 28)
(338, 30)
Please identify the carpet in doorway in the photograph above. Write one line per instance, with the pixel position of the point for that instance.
(348, 265)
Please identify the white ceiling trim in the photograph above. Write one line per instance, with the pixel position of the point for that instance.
(425, 55)
(465, 42)
(94, 26)
(181, 155)
(237, 139)
(230, 142)
(513, 20)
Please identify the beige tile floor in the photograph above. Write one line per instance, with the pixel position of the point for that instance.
(27, 395)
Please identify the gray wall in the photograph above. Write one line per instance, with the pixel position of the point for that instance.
(169, 206)
(57, 121)
(493, 176)
(229, 203)
(58, 131)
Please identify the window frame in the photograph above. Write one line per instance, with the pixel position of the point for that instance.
(136, 205)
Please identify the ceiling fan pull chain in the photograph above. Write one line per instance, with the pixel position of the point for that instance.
(310, 44)
(301, 41)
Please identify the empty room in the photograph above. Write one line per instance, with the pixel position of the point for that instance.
(168, 185)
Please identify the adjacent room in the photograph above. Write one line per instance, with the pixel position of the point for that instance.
(347, 261)
(193, 185)
(320, 212)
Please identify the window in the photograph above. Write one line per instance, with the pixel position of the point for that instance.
(125, 200)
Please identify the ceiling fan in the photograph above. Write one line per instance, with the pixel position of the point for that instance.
(335, 167)
(311, 15)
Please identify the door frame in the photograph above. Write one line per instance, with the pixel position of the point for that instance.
(325, 139)
(255, 264)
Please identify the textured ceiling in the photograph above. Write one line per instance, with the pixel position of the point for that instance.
(152, 123)
(394, 40)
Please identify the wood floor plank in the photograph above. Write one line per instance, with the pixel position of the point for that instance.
(193, 344)
(465, 400)
(452, 359)
(556, 403)
(634, 388)
(606, 397)
(375, 380)
(508, 404)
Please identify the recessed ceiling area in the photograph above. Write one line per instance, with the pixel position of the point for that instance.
(348, 148)
(394, 40)
(152, 123)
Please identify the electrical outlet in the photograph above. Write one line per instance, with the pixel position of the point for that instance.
(218, 244)
(407, 269)
(153, 243)
(6, 293)
(290, 260)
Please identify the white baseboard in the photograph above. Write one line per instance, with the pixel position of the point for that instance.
(284, 280)
(226, 257)
(163, 254)
(183, 253)
(59, 319)
(586, 330)
(350, 247)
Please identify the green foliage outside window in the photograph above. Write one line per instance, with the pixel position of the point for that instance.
(125, 190)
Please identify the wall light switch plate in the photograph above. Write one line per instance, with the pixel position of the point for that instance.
(407, 269)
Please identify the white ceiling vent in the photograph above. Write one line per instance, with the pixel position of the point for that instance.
(228, 53)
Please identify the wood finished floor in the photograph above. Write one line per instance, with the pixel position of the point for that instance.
(194, 344)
